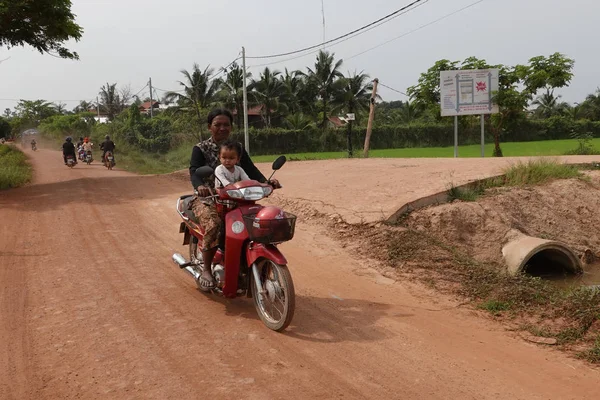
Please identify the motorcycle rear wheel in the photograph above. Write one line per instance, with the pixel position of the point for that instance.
(276, 309)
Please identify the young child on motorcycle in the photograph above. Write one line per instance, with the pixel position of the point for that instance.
(229, 172)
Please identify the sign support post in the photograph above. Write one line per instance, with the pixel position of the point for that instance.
(455, 136)
(482, 135)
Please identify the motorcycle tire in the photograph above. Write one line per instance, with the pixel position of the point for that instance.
(267, 269)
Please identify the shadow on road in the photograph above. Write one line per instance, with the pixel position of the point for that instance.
(325, 320)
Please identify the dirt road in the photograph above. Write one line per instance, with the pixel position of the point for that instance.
(92, 307)
(374, 189)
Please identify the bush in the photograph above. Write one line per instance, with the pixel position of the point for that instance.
(14, 169)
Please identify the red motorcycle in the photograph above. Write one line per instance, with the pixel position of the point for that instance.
(248, 262)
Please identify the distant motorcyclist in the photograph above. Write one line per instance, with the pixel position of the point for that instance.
(69, 149)
(87, 145)
(80, 143)
(33, 144)
(107, 145)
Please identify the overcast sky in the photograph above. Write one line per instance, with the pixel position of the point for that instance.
(128, 41)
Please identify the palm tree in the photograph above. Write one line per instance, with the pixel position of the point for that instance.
(198, 92)
(298, 122)
(293, 84)
(266, 92)
(353, 95)
(323, 77)
(232, 90)
(60, 108)
(591, 106)
(83, 106)
(409, 112)
(548, 105)
(110, 100)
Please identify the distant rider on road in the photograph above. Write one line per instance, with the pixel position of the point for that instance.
(107, 145)
(69, 150)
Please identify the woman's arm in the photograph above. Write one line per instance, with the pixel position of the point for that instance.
(196, 162)
(250, 169)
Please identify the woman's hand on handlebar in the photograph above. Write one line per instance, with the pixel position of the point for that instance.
(275, 184)
(203, 191)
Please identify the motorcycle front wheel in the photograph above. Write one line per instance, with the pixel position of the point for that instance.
(278, 303)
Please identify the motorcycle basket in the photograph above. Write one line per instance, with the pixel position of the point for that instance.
(270, 230)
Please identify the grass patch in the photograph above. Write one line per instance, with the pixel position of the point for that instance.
(532, 172)
(593, 354)
(467, 193)
(494, 306)
(509, 149)
(537, 172)
(14, 169)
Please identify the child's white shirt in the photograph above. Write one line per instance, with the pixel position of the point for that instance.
(227, 177)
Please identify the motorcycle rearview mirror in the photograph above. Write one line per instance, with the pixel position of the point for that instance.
(204, 172)
(277, 164)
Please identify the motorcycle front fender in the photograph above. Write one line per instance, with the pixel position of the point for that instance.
(258, 250)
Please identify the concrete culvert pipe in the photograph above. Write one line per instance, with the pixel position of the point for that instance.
(540, 257)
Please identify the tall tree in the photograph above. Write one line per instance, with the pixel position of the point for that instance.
(549, 105)
(232, 91)
(110, 100)
(61, 108)
(293, 85)
(34, 111)
(43, 24)
(352, 96)
(324, 75)
(591, 106)
(199, 92)
(266, 92)
(83, 106)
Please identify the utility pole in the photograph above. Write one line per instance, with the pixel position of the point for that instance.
(246, 138)
(371, 116)
(98, 107)
(151, 102)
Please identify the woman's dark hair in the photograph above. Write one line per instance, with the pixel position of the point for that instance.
(231, 144)
(215, 112)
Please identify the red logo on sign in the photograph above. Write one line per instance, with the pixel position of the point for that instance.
(481, 86)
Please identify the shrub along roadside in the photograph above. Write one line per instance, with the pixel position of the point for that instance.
(14, 169)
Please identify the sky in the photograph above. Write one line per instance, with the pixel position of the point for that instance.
(130, 41)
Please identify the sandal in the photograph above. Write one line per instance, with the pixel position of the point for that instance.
(205, 284)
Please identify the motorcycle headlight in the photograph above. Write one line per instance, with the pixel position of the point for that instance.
(250, 193)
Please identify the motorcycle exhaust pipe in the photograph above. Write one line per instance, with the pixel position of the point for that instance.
(186, 265)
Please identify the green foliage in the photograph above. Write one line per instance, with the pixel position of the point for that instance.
(536, 172)
(43, 24)
(34, 111)
(5, 128)
(465, 193)
(61, 126)
(494, 306)
(14, 169)
(584, 144)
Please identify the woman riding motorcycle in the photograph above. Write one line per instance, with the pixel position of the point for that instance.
(204, 153)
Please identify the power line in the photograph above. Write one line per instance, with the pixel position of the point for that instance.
(362, 28)
(334, 44)
(395, 90)
(416, 29)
